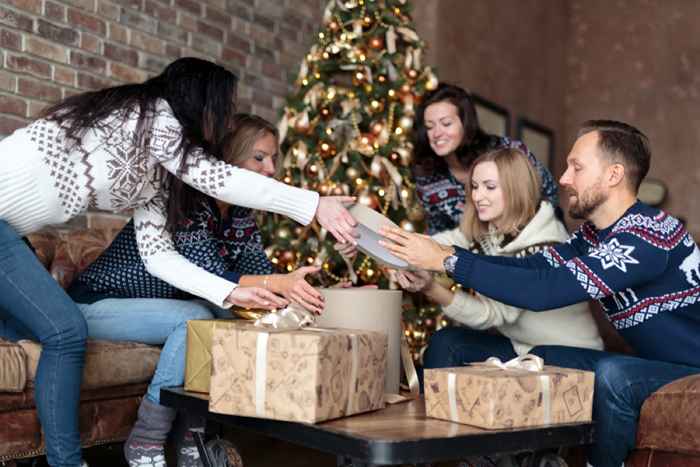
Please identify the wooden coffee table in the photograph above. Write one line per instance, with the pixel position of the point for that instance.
(398, 434)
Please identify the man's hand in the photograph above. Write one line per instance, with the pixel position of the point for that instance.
(333, 216)
(418, 250)
(255, 297)
(294, 287)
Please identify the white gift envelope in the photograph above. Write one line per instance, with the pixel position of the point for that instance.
(369, 222)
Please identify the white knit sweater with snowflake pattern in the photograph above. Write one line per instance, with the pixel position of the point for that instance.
(46, 179)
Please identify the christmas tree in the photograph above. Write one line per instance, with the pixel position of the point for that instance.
(346, 130)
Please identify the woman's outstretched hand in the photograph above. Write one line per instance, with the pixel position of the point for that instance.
(413, 281)
(294, 287)
(333, 216)
(418, 250)
(255, 297)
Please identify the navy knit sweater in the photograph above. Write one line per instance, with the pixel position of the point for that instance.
(644, 270)
(228, 247)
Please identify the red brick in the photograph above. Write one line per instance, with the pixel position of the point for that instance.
(155, 64)
(67, 92)
(36, 107)
(171, 33)
(55, 12)
(211, 31)
(10, 124)
(233, 57)
(126, 74)
(86, 5)
(7, 81)
(133, 4)
(136, 20)
(25, 64)
(40, 47)
(79, 19)
(13, 105)
(206, 45)
(64, 75)
(147, 43)
(273, 71)
(191, 6)
(32, 6)
(10, 39)
(238, 43)
(90, 43)
(186, 21)
(118, 33)
(172, 51)
(264, 22)
(88, 62)
(217, 16)
(68, 36)
(16, 20)
(121, 54)
(38, 90)
(92, 83)
(156, 10)
(108, 10)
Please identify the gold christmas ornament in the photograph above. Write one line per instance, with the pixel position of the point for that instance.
(376, 106)
(376, 127)
(367, 21)
(327, 150)
(352, 173)
(376, 43)
(413, 74)
(311, 171)
(406, 122)
(381, 78)
(405, 88)
(283, 233)
(407, 225)
(333, 26)
(325, 112)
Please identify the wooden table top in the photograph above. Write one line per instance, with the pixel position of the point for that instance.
(400, 433)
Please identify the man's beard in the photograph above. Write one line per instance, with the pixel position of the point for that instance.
(587, 202)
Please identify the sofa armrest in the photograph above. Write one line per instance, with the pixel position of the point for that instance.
(668, 420)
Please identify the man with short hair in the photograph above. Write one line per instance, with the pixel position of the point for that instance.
(637, 261)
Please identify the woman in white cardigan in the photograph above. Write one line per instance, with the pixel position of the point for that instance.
(503, 217)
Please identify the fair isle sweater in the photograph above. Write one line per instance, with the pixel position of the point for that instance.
(571, 325)
(45, 179)
(644, 269)
(229, 246)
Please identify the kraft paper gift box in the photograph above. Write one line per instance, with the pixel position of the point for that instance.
(304, 375)
(489, 396)
(198, 361)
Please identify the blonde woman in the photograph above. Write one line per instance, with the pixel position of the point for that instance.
(504, 216)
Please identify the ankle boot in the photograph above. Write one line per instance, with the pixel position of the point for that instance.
(187, 452)
(145, 446)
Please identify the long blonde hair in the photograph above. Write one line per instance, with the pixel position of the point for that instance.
(237, 144)
(521, 192)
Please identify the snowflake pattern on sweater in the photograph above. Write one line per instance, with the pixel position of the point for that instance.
(442, 195)
(228, 247)
(644, 270)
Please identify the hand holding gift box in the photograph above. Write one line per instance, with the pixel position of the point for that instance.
(519, 393)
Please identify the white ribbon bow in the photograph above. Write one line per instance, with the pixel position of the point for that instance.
(526, 362)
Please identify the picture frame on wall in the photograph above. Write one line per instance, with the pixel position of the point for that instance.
(493, 118)
(538, 138)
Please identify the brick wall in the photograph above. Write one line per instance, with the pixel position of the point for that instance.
(50, 49)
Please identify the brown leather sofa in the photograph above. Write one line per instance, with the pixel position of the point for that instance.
(114, 380)
(668, 434)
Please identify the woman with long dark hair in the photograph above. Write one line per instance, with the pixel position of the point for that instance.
(134, 146)
(447, 141)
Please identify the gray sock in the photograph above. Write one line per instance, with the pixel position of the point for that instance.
(145, 446)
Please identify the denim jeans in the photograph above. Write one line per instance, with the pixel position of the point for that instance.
(33, 305)
(622, 383)
(153, 321)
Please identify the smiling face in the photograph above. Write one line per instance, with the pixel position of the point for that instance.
(444, 128)
(583, 179)
(487, 193)
(263, 155)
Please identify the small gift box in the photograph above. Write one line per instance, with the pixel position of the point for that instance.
(305, 375)
(519, 393)
(198, 360)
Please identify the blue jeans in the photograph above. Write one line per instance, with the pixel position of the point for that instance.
(33, 305)
(622, 383)
(153, 321)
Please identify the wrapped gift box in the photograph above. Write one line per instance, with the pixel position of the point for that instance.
(491, 397)
(306, 375)
(198, 361)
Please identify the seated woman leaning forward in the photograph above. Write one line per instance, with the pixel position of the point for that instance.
(503, 216)
(122, 301)
(126, 147)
